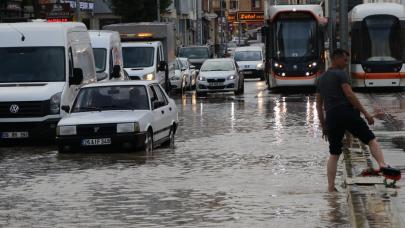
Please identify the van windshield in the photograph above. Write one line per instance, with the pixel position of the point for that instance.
(100, 58)
(32, 64)
(138, 56)
(248, 56)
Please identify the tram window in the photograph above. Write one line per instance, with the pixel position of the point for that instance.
(380, 39)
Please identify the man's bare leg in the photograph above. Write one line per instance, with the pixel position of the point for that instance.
(376, 151)
(331, 170)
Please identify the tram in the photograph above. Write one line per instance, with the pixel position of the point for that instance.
(377, 45)
(294, 38)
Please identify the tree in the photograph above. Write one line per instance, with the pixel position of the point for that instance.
(138, 10)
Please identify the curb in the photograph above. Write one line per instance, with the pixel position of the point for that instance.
(371, 204)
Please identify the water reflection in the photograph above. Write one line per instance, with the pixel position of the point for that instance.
(239, 162)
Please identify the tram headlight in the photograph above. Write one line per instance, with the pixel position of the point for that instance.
(278, 65)
(283, 74)
(314, 64)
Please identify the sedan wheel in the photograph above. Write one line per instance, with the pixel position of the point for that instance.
(171, 141)
(148, 146)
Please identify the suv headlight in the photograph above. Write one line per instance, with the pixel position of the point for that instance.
(149, 77)
(127, 127)
(231, 77)
(54, 105)
(66, 130)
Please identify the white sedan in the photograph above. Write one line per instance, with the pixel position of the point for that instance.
(220, 75)
(119, 115)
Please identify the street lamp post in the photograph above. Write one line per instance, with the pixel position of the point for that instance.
(158, 10)
(78, 18)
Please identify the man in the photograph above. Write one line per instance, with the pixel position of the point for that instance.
(335, 97)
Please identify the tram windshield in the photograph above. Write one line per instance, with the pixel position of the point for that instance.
(379, 39)
(296, 38)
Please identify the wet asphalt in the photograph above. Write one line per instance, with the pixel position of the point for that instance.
(255, 160)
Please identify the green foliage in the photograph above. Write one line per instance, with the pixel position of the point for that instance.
(138, 10)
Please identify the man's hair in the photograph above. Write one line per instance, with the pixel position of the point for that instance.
(339, 53)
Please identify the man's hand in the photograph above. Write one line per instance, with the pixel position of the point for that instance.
(369, 118)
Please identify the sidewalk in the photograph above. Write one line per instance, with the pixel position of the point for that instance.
(371, 204)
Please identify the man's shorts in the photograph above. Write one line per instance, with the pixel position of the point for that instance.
(342, 118)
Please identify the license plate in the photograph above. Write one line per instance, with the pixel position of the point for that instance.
(247, 66)
(216, 84)
(96, 142)
(247, 72)
(15, 135)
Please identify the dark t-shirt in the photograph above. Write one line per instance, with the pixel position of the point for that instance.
(329, 85)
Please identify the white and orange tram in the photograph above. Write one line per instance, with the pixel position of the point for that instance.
(377, 45)
(295, 42)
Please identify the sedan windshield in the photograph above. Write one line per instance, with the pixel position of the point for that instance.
(248, 56)
(111, 98)
(100, 58)
(218, 66)
(194, 53)
(138, 56)
(32, 64)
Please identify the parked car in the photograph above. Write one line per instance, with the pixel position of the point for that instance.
(119, 114)
(179, 80)
(230, 48)
(190, 73)
(108, 55)
(250, 60)
(196, 54)
(42, 66)
(220, 75)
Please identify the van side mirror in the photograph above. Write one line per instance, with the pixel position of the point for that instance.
(66, 108)
(116, 71)
(162, 66)
(77, 77)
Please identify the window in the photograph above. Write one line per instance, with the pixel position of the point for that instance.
(256, 4)
(160, 95)
(234, 5)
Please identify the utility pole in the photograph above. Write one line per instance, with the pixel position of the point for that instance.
(332, 24)
(78, 18)
(343, 24)
(158, 10)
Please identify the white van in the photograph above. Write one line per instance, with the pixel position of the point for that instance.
(42, 67)
(107, 55)
(142, 59)
(250, 60)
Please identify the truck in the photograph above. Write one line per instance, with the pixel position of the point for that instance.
(148, 50)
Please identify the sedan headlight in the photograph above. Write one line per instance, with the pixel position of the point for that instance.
(231, 77)
(66, 130)
(127, 127)
(149, 77)
(201, 78)
(54, 105)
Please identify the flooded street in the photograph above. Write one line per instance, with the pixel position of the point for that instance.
(255, 160)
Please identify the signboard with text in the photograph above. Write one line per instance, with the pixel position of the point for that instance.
(231, 17)
(247, 16)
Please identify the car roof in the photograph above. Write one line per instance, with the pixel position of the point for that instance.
(195, 46)
(219, 60)
(249, 48)
(120, 83)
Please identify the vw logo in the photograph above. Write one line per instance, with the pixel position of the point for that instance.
(295, 67)
(14, 108)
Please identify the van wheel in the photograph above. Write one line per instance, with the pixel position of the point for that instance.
(201, 94)
(148, 145)
(61, 148)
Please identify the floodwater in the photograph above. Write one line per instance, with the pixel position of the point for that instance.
(255, 160)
